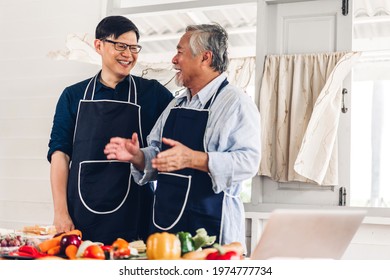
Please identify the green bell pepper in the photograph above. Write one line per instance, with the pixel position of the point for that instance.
(187, 244)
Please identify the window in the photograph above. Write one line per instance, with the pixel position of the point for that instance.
(370, 100)
(370, 135)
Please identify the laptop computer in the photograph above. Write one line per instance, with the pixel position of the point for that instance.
(308, 234)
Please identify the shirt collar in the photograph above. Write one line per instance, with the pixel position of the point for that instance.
(207, 92)
(100, 86)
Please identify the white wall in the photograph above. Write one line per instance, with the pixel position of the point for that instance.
(30, 86)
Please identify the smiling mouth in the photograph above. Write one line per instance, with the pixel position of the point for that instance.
(125, 63)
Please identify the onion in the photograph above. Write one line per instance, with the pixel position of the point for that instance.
(71, 239)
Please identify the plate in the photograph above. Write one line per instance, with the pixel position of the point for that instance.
(15, 256)
(6, 250)
(34, 236)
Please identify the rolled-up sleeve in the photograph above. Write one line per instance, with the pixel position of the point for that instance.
(149, 173)
(61, 137)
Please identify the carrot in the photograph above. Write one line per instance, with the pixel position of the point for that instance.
(74, 231)
(199, 255)
(71, 251)
(46, 245)
(54, 250)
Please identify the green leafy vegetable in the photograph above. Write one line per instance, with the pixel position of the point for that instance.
(201, 239)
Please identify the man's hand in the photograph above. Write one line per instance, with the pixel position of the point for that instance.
(126, 150)
(179, 157)
(63, 222)
(122, 148)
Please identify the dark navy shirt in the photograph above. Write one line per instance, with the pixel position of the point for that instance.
(151, 96)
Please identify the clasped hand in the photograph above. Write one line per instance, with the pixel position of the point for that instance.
(175, 158)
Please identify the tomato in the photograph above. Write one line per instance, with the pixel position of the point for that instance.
(94, 252)
(120, 248)
(120, 243)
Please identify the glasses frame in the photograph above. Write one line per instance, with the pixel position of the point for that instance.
(125, 46)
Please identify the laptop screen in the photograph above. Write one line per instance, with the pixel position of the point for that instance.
(308, 233)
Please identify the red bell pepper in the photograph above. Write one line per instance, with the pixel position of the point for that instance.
(221, 254)
(30, 251)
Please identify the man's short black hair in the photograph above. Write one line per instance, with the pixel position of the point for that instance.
(115, 26)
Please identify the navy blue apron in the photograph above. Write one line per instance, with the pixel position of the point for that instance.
(103, 200)
(184, 200)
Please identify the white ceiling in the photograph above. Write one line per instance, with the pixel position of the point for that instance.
(162, 23)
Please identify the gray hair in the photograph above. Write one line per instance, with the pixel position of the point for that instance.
(210, 37)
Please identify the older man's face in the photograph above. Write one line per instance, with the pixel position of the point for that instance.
(187, 65)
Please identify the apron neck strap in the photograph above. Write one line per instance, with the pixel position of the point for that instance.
(90, 89)
(132, 96)
(89, 92)
(211, 100)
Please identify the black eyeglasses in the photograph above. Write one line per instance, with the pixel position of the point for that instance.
(121, 47)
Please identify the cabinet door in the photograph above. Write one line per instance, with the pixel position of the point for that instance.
(309, 27)
(302, 27)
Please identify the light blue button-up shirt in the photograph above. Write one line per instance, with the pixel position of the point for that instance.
(232, 141)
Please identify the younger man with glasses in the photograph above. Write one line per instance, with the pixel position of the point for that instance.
(90, 193)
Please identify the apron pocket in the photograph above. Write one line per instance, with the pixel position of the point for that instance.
(170, 199)
(103, 186)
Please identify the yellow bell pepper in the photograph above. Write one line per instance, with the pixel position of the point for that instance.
(163, 246)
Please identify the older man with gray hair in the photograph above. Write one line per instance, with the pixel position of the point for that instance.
(203, 146)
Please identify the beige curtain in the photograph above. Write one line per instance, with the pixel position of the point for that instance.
(300, 101)
(241, 71)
